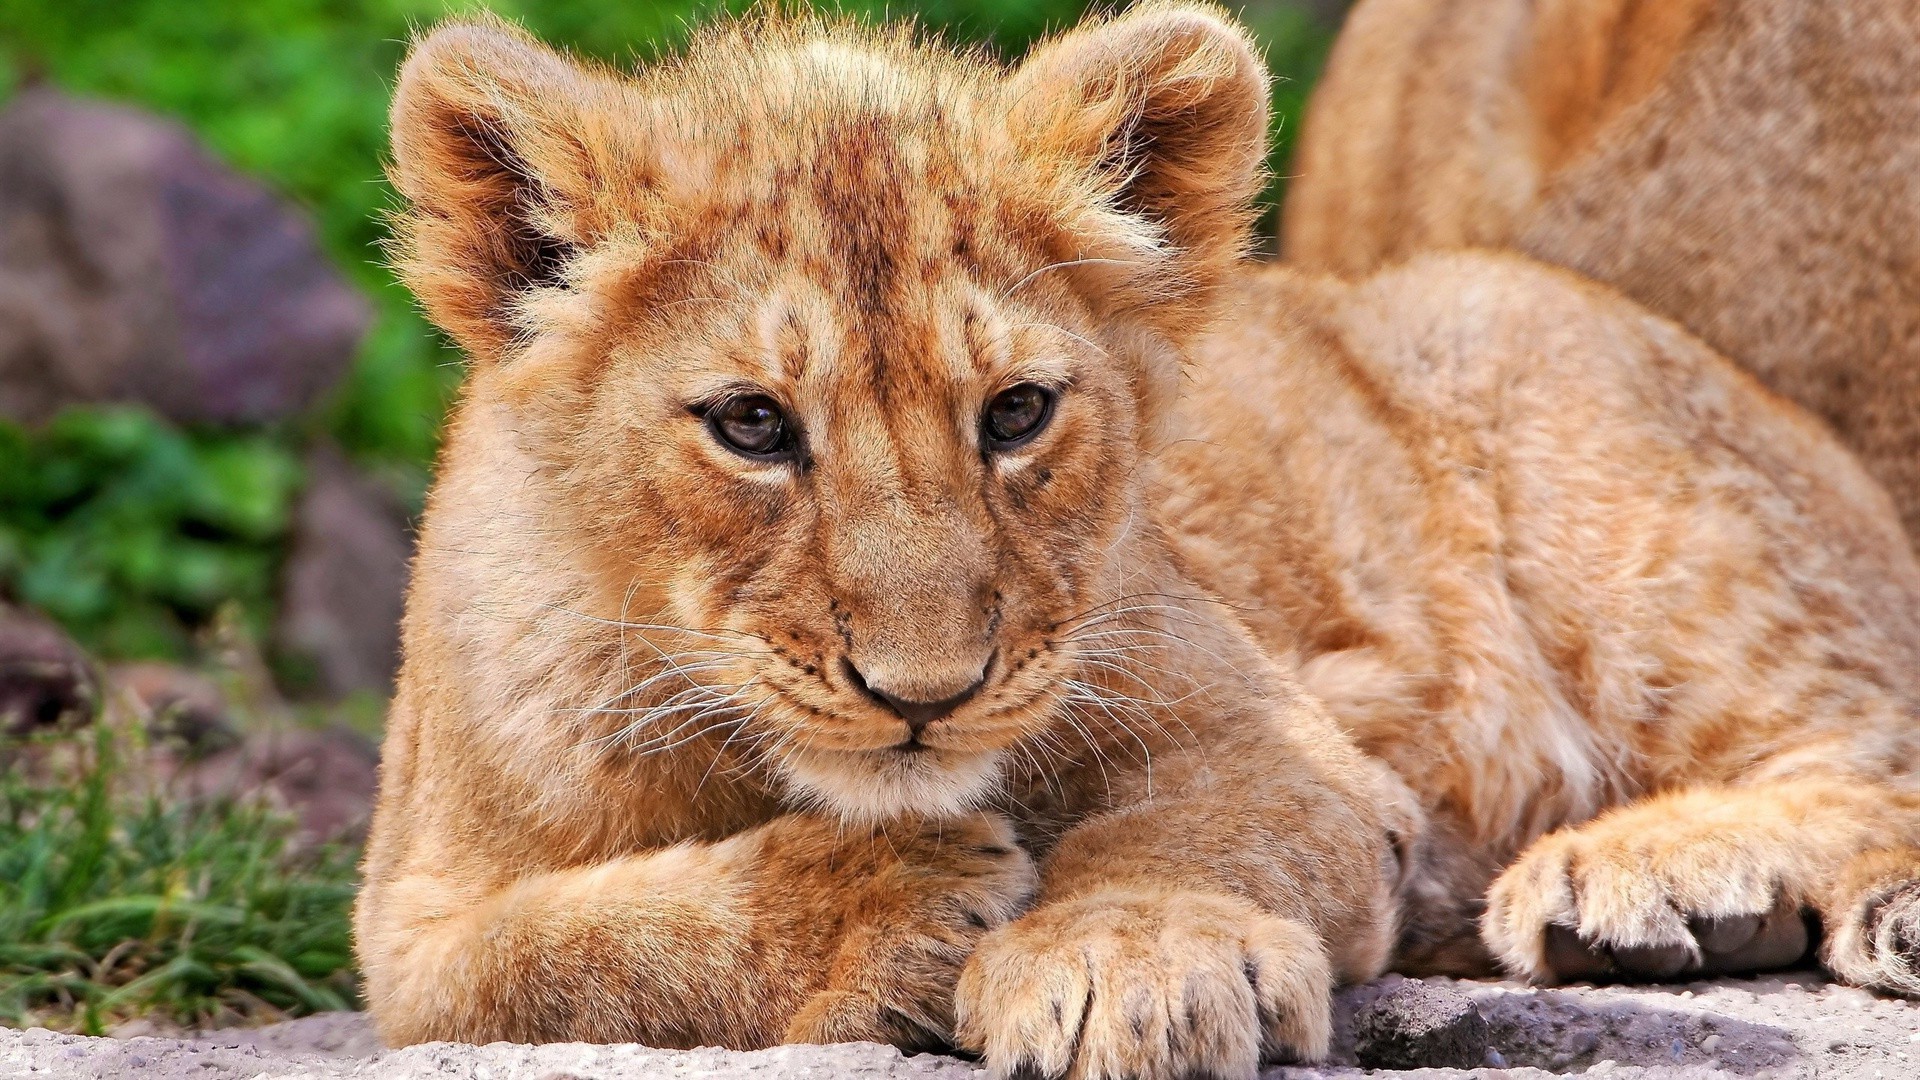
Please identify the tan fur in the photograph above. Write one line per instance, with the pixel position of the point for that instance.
(1750, 168)
(1544, 554)
(631, 789)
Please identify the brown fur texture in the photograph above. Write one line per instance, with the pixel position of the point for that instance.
(640, 781)
(1750, 168)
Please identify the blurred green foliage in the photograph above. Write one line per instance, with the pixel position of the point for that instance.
(117, 903)
(295, 92)
(132, 533)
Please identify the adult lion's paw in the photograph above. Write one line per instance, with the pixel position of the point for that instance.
(1146, 986)
(941, 890)
(1653, 891)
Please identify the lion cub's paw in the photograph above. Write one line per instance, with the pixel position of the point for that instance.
(910, 930)
(1146, 986)
(1648, 893)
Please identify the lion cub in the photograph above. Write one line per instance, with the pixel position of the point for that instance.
(886, 529)
(790, 636)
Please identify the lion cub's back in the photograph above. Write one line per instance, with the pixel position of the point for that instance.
(1475, 471)
(1386, 388)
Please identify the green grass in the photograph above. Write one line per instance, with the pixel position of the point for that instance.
(116, 903)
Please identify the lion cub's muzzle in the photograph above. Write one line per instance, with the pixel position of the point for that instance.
(916, 707)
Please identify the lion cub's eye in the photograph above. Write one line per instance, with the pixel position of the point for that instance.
(752, 424)
(1016, 415)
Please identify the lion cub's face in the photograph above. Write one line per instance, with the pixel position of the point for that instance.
(839, 355)
(887, 481)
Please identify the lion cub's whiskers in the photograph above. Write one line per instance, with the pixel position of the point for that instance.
(1128, 598)
(674, 669)
(679, 735)
(720, 633)
(1097, 625)
(696, 691)
(1080, 697)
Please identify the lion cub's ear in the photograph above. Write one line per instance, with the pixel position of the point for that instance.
(1162, 112)
(512, 158)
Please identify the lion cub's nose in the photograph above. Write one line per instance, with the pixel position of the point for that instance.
(917, 713)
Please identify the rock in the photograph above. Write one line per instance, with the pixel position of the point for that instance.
(45, 679)
(198, 750)
(332, 1034)
(324, 778)
(1739, 1028)
(1417, 1025)
(182, 710)
(345, 580)
(135, 267)
(222, 1056)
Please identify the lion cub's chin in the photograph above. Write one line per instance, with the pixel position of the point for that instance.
(872, 786)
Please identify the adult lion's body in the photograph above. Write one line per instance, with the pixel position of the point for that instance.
(886, 530)
(1546, 555)
(1749, 168)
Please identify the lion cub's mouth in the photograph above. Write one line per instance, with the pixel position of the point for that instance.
(943, 768)
(889, 782)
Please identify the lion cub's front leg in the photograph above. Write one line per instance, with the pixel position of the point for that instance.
(1719, 879)
(798, 930)
(1196, 932)
(910, 928)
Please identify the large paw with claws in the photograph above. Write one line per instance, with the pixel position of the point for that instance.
(1651, 893)
(1146, 986)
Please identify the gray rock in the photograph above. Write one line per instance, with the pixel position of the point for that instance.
(326, 778)
(183, 711)
(45, 679)
(348, 1035)
(345, 580)
(1790, 1027)
(135, 267)
(1418, 1025)
(199, 750)
(249, 1055)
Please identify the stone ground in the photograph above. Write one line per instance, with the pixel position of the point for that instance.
(1785, 1026)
